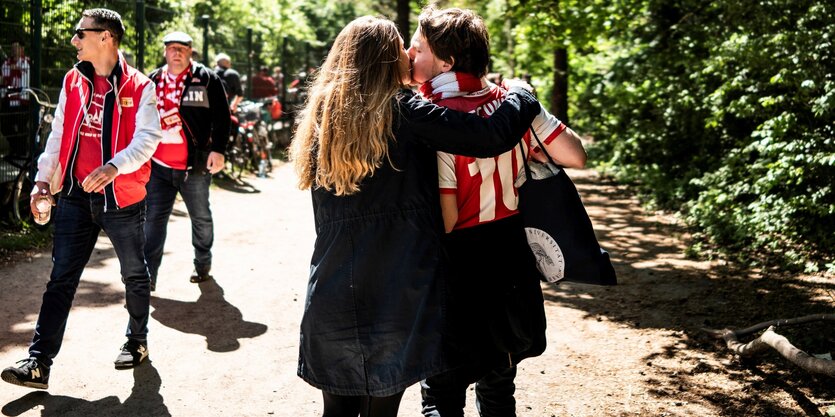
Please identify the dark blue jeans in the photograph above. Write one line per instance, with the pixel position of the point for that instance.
(78, 220)
(162, 189)
(445, 395)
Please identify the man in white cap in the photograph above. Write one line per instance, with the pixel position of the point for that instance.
(231, 80)
(195, 125)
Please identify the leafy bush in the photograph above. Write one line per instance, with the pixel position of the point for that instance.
(724, 110)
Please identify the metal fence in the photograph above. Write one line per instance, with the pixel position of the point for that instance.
(15, 120)
(42, 30)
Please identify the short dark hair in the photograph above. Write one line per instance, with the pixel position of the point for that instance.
(459, 36)
(107, 19)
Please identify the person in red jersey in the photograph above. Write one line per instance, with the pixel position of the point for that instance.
(486, 242)
(14, 102)
(97, 156)
(373, 320)
(195, 123)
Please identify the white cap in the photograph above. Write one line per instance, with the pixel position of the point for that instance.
(221, 56)
(177, 37)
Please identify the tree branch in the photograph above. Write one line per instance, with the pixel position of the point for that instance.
(782, 345)
(785, 322)
(770, 338)
(773, 323)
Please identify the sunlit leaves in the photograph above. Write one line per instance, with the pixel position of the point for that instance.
(725, 109)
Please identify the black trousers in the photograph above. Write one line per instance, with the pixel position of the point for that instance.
(363, 406)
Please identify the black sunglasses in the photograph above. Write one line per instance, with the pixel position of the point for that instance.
(80, 31)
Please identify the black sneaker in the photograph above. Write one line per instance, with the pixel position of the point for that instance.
(132, 354)
(200, 275)
(31, 373)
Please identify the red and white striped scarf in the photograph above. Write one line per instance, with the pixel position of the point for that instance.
(452, 84)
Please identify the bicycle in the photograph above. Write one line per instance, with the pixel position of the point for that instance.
(249, 144)
(24, 183)
(237, 150)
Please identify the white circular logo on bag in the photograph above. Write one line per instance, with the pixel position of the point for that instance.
(549, 258)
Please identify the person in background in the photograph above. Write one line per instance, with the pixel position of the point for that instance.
(105, 130)
(495, 78)
(374, 322)
(528, 79)
(14, 103)
(231, 80)
(263, 85)
(486, 242)
(278, 76)
(195, 123)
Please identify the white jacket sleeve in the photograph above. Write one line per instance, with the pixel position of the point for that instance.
(48, 161)
(146, 136)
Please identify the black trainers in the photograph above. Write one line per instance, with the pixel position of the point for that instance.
(200, 275)
(132, 354)
(31, 373)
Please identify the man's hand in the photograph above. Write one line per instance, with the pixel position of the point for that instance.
(215, 162)
(41, 192)
(99, 178)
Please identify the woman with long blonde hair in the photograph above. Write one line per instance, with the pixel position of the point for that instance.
(374, 314)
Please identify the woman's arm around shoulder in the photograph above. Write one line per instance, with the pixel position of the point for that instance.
(466, 133)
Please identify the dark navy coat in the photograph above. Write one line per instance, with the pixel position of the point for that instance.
(374, 319)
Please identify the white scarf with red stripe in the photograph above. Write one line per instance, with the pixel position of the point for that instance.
(169, 90)
(452, 84)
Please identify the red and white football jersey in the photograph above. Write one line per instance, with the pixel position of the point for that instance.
(484, 186)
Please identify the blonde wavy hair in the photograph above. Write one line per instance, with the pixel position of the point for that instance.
(343, 131)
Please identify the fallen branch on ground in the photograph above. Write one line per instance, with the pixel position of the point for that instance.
(770, 338)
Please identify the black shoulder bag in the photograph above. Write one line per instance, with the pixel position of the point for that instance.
(558, 228)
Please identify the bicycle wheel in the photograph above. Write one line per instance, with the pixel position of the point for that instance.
(21, 195)
(234, 159)
(262, 148)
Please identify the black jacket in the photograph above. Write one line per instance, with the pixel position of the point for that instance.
(205, 113)
(374, 320)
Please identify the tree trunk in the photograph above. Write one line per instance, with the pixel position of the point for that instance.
(508, 30)
(559, 95)
(403, 12)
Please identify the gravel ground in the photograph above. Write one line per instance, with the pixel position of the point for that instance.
(228, 347)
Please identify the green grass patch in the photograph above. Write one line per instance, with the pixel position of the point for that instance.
(26, 238)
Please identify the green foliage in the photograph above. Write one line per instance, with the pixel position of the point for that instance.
(720, 109)
(725, 111)
(13, 239)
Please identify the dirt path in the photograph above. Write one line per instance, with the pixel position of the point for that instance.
(228, 347)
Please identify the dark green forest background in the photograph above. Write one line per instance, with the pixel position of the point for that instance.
(721, 111)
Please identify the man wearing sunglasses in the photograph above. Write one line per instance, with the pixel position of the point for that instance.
(195, 121)
(97, 157)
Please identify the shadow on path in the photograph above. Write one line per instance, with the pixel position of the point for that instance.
(234, 185)
(211, 316)
(144, 400)
(23, 288)
(661, 289)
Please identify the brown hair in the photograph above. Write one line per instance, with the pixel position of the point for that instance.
(458, 36)
(107, 19)
(344, 129)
